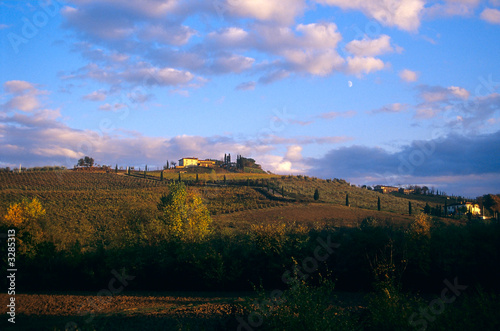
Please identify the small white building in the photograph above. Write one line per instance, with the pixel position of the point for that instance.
(463, 208)
(188, 162)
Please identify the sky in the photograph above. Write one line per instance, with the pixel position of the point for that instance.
(375, 92)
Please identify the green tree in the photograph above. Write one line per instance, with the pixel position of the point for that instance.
(116, 168)
(347, 200)
(86, 161)
(409, 207)
(378, 204)
(161, 175)
(427, 208)
(316, 195)
(185, 216)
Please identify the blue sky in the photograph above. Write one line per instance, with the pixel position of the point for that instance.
(376, 92)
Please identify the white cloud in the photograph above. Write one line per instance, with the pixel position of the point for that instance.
(370, 47)
(95, 96)
(294, 153)
(392, 108)
(17, 86)
(491, 15)
(24, 96)
(452, 8)
(266, 10)
(408, 75)
(459, 92)
(404, 14)
(174, 35)
(359, 65)
(246, 86)
(336, 114)
(232, 36)
(232, 63)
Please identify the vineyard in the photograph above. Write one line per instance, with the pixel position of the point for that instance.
(260, 227)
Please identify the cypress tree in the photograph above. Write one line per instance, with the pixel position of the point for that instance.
(197, 179)
(427, 208)
(316, 195)
(445, 208)
(224, 179)
(116, 168)
(378, 204)
(179, 177)
(347, 199)
(409, 207)
(282, 191)
(161, 176)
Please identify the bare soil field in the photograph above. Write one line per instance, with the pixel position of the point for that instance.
(139, 311)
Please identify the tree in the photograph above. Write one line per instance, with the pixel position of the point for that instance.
(378, 204)
(116, 168)
(427, 208)
(161, 175)
(347, 200)
(179, 177)
(316, 195)
(86, 161)
(184, 215)
(409, 207)
(28, 219)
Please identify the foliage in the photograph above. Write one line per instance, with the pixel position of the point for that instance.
(86, 161)
(302, 306)
(28, 218)
(316, 195)
(186, 217)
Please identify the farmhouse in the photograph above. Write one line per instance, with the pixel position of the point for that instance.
(385, 189)
(462, 208)
(405, 191)
(187, 162)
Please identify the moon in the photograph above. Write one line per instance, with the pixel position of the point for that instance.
(349, 83)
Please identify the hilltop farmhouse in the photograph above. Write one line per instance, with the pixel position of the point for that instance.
(462, 208)
(187, 162)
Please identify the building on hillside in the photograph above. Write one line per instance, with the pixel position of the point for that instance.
(462, 208)
(207, 163)
(188, 162)
(385, 189)
(405, 191)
